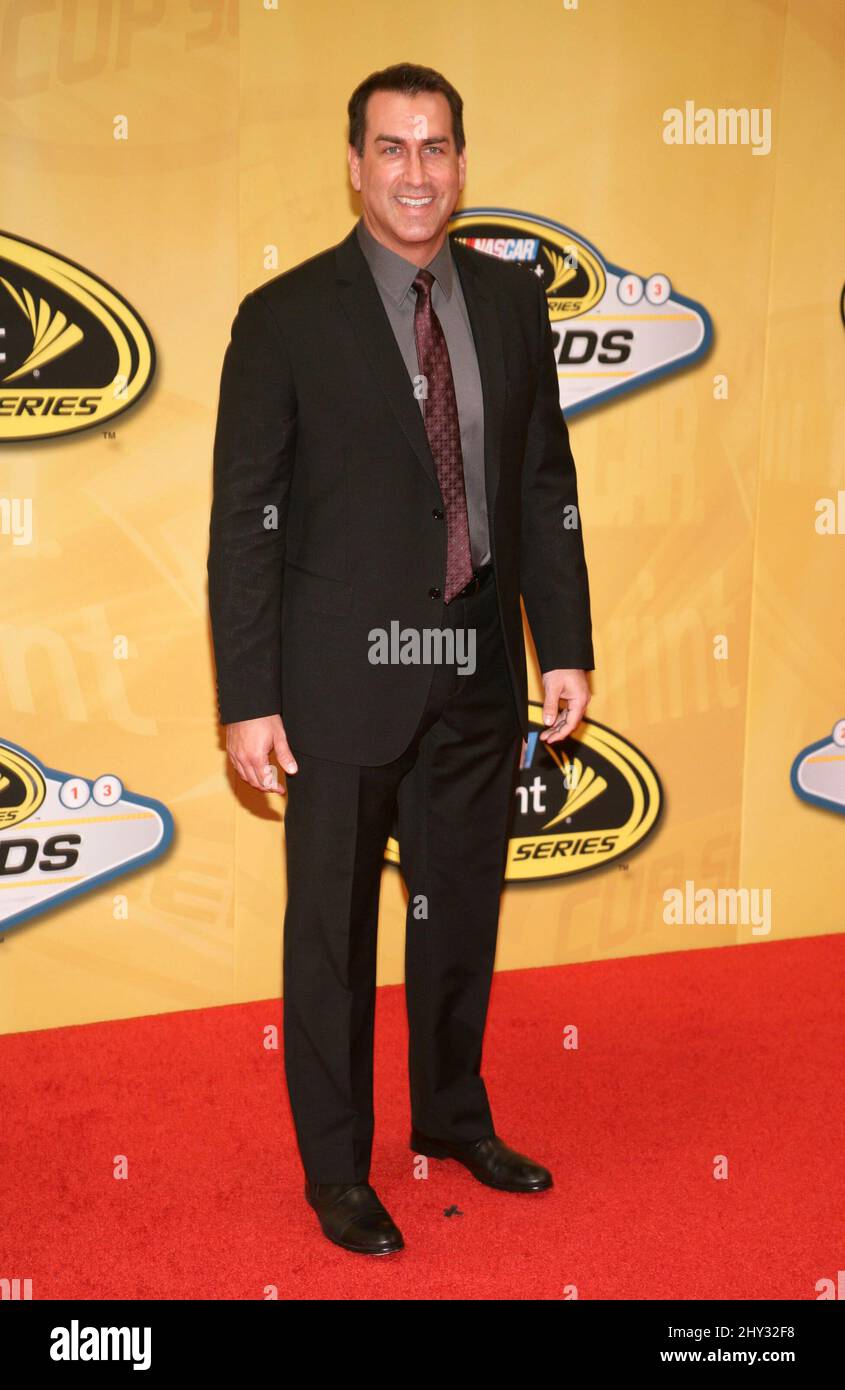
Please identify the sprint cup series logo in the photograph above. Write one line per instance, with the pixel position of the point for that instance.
(579, 804)
(62, 835)
(614, 330)
(73, 353)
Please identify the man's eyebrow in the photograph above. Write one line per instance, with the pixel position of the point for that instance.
(400, 139)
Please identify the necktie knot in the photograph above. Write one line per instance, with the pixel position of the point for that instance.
(423, 281)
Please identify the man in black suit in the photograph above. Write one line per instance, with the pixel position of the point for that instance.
(391, 471)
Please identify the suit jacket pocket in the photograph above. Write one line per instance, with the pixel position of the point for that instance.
(319, 592)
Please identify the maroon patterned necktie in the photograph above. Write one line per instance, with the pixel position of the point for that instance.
(440, 413)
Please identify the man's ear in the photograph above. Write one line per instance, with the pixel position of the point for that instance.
(462, 168)
(354, 169)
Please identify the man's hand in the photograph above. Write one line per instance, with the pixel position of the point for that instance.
(567, 684)
(250, 742)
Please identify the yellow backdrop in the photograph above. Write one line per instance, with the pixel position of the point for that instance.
(186, 155)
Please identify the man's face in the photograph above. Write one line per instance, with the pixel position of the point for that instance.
(409, 176)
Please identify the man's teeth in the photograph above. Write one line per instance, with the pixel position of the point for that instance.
(415, 202)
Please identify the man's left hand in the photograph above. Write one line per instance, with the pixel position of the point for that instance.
(567, 684)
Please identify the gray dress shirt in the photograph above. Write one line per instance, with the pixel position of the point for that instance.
(394, 277)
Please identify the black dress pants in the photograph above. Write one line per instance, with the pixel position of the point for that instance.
(453, 787)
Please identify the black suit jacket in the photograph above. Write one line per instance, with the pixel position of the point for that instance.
(324, 517)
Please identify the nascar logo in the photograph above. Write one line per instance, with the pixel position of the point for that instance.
(614, 329)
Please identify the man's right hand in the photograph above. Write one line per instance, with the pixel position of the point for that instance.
(249, 743)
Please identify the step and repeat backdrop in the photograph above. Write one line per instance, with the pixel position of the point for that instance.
(674, 173)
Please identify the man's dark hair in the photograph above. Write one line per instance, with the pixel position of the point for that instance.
(409, 79)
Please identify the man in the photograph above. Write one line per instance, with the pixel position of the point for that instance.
(390, 457)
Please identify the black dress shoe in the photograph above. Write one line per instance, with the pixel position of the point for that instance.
(489, 1160)
(352, 1216)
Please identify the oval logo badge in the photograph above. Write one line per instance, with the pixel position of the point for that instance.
(572, 273)
(614, 330)
(73, 353)
(22, 787)
(579, 804)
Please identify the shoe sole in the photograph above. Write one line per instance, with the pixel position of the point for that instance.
(497, 1186)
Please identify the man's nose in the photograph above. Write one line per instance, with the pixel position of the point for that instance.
(414, 169)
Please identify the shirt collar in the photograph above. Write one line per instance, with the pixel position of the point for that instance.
(394, 274)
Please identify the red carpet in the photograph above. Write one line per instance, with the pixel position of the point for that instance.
(682, 1057)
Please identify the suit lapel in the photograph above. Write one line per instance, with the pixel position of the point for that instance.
(487, 332)
(362, 304)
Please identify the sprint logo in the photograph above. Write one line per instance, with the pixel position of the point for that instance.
(73, 352)
(579, 804)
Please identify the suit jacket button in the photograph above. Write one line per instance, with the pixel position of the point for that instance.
(437, 514)
(434, 593)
